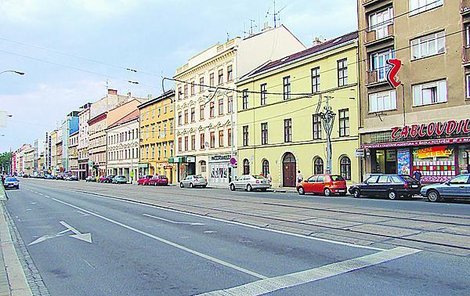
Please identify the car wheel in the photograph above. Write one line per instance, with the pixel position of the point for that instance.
(357, 193)
(433, 196)
(301, 190)
(392, 195)
(181, 185)
(232, 187)
(191, 185)
(249, 188)
(327, 192)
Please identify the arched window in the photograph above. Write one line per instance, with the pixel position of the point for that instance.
(246, 167)
(345, 167)
(318, 166)
(265, 167)
(202, 163)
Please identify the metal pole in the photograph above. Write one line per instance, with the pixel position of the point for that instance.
(328, 118)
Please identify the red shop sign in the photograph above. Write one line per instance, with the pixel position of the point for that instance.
(448, 128)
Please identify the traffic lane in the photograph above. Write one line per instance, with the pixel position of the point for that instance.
(231, 242)
(117, 262)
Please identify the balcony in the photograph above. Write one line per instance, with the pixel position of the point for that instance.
(377, 35)
(466, 56)
(465, 7)
(368, 3)
(376, 77)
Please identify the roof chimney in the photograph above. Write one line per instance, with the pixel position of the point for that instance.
(112, 91)
(317, 41)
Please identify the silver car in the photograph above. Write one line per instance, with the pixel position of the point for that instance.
(250, 183)
(192, 181)
(458, 187)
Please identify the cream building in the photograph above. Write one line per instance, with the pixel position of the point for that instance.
(83, 117)
(205, 135)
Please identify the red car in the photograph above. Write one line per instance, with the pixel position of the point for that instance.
(144, 180)
(323, 184)
(158, 180)
(106, 179)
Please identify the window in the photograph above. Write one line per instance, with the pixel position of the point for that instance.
(286, 87)
(264, 133)
(378, 64)
(430, 93)
(428, 45)
(201, 112)
(185, 90)
(202, 143)
(230, 105)
(212, 139)
(220, 77)
(193, 91)
(379, 22)
(221, 106)
(211, 79)
(193, 114)
(180, 93)
(203, 166)
(418, 6)
(342, 72)
(221, 138)
(345, 167)
(467, 79)
(344, 123)
(201, 84)
(318, 166)
(265, 168)
(315, 77)
(245, 135)
(211, 109)
(316, 126)
(467, 35)
(180, 118)
(246, 167)
(186, 116)
(229, 137)
(171, 127)
(193, 142)
(229, 73)
(382, 101)
(245, 99)
(263, 91)
(287, 130)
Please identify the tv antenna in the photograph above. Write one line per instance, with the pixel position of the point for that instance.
(276, 14)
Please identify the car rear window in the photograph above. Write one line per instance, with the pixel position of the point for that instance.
(11, 179)
(258, 177)
(336, 178)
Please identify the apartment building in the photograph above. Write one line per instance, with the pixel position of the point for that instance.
(73, 153)
(83, 117)
(424, 122)
(206, 121)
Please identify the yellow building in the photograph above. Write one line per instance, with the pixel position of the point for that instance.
(280, 130)
(157, 137)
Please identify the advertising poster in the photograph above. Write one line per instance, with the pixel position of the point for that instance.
(404, 161)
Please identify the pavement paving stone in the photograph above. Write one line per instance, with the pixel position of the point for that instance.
(443, 238)
(460, 230)
(294, 228)
(330, 223)
(427, 226)
(344, 239)
(429, 247)
(385, 230)
(393, 214)
(359, 218)
(444, 219)
(371, 238)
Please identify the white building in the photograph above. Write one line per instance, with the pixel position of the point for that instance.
(205, 133)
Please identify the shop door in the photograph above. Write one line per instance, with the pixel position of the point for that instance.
(288, 170)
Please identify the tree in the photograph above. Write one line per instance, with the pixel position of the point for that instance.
(5, 160)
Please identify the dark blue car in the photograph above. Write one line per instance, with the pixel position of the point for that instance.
(458, 187)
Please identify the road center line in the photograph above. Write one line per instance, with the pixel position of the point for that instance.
(207, 257)
(270, 285)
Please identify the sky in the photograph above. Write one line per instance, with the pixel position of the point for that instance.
(72, 50)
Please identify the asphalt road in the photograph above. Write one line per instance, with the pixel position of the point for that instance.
(84, 243)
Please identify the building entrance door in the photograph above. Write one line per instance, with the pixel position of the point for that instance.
(288, 170)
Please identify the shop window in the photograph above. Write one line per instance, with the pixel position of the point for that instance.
(345, 167)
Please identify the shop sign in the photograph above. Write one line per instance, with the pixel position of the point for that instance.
(360, 152)
(436, 151)
(404, 161)
(393, 71)
(220, 158)
(168, 167)
(190, 159)
(448, 128)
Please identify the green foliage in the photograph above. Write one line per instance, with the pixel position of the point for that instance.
(5, 159)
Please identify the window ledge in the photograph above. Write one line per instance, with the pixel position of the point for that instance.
(432, 104)
(429, 56)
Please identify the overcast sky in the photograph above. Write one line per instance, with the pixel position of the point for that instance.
(69, 49)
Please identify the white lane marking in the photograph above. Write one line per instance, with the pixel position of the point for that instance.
(247, 225)
(210, 231)
(89, 264)
(86, 237)
(162, 240)
(270, 285)
(83, 214)
(174, 222)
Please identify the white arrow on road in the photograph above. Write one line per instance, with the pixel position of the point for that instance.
(174, 222)
(86, 237)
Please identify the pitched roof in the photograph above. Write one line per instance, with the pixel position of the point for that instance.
(165, 95)
(128, 118)
(305, 53)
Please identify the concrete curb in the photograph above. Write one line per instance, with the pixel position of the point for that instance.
(12, 277)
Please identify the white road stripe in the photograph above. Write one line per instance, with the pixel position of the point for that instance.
(207, 257)
(294, 279)
(173, 222)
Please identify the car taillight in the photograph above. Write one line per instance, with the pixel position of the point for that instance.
(406, 185)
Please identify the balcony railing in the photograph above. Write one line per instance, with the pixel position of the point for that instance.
(377, 34)
(466, 55)
(465, 7)
(377, 76)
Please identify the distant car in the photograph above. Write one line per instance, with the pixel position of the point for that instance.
(250, 183)
(323, 184)
(458, 187)
(11, 182)
(392, 186)
(48, 177)
(119, 180)
(106, 179)
(144, 180)
(60, 177)
(194, 181)
(158, 180)
(25, 176)
(71, 178)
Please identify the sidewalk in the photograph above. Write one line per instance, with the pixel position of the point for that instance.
(12, 278)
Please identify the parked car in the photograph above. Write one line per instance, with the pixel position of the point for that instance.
(158, 180)
(60, 177)
(11, 182)
(106, 179)
(458, 187)
(71, 178)
(194, 181)
(392, 186)
(90, 179)
(49, 177)
(144, 180)
(323, 184)
(119, 180)
(250, 183)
